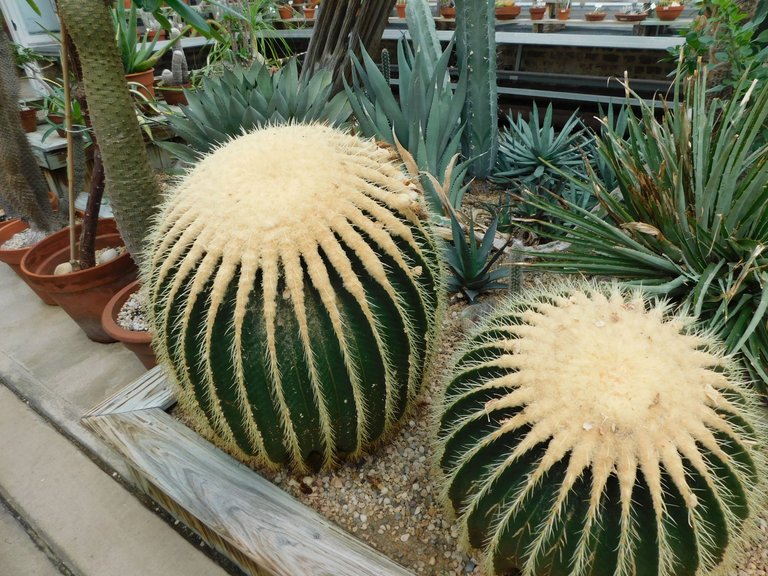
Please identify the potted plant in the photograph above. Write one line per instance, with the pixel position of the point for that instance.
(597, 15)
(635, 13)
(124, 321)
(175, 80)
(563, 9)
(285, 9)
(28, 118)
(668, 10)
(447, 9)
(309, 9)
(537, 10)
(139, 55)
(507, 10)
(53, 106)
(400, 6)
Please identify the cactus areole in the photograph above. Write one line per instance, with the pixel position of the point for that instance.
(587, 431)
(296, 309)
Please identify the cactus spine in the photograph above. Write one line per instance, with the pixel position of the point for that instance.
(296, 310)
(476, 49)
(588, 431)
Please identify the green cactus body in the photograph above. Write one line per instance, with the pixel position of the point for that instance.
(587, 431)
(386, 67)
(476, 49)
(296, 310)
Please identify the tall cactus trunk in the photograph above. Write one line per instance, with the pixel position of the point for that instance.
(476, 48)
(132, 188)
(22, 187)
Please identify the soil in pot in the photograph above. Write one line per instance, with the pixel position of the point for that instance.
(16, 239)
(82, 294)
(123, 319)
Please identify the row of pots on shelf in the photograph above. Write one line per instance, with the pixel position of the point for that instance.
(308, 10)
(664, 13)
(94, 297)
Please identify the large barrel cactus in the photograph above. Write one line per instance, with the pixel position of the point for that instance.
(586, 430)
(296, 304)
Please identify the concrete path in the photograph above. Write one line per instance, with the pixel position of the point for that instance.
(89, 522)
(18, 554)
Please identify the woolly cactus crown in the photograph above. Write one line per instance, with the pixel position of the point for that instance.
(296, 306)
(586, 431)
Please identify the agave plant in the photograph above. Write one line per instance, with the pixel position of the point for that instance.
(425, 119)
(297, 311)
(243, 99)
(471, 264)
(587, 431)
(536, 155)
(691, 222)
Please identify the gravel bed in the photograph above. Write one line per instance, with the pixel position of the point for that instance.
(131, 315)
(23, 239)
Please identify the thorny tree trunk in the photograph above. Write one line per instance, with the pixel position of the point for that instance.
(133, 190)
(342, 26)
(22, 186)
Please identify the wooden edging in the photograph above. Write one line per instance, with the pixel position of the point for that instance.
(248, 519)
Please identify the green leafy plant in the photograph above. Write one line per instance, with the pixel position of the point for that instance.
(587, 430)
(301, 335)
(137, 55)
(243, 99)
(54, 105)
(471, 262)
(728, 41)
(425, 119)
(691, 221)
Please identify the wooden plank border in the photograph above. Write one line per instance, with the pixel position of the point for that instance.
(245, 517)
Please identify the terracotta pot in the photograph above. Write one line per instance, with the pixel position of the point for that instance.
(82, 294)
(594, 16)
(13, 257)
(140, 343)
(537, 12)
(309, 12)
(400, 10)
(147, 81)
(564, 14)
(448, 13)
(174, 95)
(286, 12)
(507, 12)
(59, 120)
(29, 119)
(159, 34)
(668, 13)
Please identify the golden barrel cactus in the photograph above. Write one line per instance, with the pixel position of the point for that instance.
(587, 431)
(296, 303)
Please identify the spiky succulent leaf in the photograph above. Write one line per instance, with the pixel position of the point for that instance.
(297, 311)
(243, 99)
(586, 430)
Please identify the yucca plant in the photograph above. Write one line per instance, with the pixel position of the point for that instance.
(243, 99)
(471, 262)
(425, 119)
(588, 431)
(691, 221)
(297, 311)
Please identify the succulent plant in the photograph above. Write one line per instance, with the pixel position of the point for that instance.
(243, 99)
(178, 75)
(587, 430)
(296, 310)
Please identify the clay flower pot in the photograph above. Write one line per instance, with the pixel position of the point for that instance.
(309, 11)
(507, 12)
(28, 119)
(58, 120)
(286, 12)
(147, 81)
(537, 12)
(174, 95)
(82, 294)
(594, 16)
(13, 257)
(400, 10)
(563, 14)
(140, 343)
(668, 13)
(448, 13)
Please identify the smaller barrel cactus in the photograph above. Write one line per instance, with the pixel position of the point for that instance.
(588, 431)
(296, 309)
